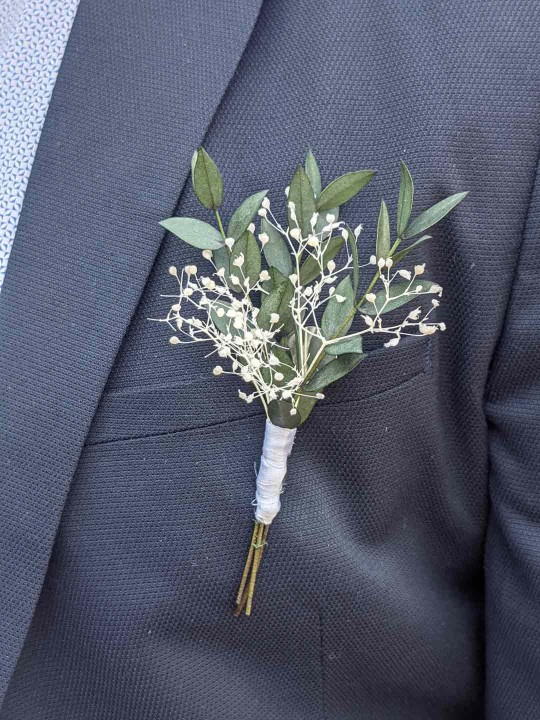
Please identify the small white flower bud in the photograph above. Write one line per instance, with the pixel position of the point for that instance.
(371, 297)
(380, 263)
(389, 262)
(174, 340)
(286, 395)
(191, 269)
(279, 376)
(293, 411)
(344, 234)
(229, 242)
(427, 329)
(436, 289)
(314, 219)
(357, 230)
(173, 271)
(274, 318)
(207, 254)
(239, 261)
(405, 274)
(331, 265)
(435, 303)
(262, 212)
(264, 275)
(266, 203)
(319, 396)
(221, 272)
(368, 320)
(235, 280)
(340, 298)
(188, 292)
(419, 269)
(293, 278)
(418, 288)
(218, 370)
(295, 233)
(442, 326)
(392, 343)
(330, 218)
(251, 227)
(287, 191)
(263, 237)
(372, 260)
(313, 241)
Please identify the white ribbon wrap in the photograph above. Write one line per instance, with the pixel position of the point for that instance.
(277, 447)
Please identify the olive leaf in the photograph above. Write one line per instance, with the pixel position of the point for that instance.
(397, 299)
(336, 369)
(276, 252)
(279, 412)
(244, 214)
(432, 216)
(310, 268)
(342, 189)
(313, 173)
(278, 301)
(248, 247)
(398, 256)
(351, 344)
(383, 233)
(194, 232)
(405, 199)
(337, 313)
(207, 180)
(301, 194)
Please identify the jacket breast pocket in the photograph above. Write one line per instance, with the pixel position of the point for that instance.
(198, 401)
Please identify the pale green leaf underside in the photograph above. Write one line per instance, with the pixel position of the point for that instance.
(194, 232)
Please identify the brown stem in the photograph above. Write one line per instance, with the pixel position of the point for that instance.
(247, 566)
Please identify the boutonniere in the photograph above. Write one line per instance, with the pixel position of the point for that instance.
(277, 306)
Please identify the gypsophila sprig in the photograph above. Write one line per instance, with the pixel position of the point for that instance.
(277, 305)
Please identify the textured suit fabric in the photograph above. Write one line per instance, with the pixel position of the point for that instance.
(412, 477)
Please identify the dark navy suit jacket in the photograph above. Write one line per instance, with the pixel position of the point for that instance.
(402, 579)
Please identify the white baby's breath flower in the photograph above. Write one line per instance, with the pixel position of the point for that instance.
(229, 242)
(207, 254)
(263, 237)
(371, 297)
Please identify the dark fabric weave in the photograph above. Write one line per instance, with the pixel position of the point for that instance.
(414, 474)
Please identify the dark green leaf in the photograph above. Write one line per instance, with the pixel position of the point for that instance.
(276, 278)
(343, 189)
(310, 269)
(432, 216)
(194, 232)
(221, 259)
(207, 181)
(278, 301)
(335, 370)
(301, 194)
(337, 313)
(405, 200)
(276, 251)
(244, 214)
(346, 345)
(398, 256)
(305, 405)
(313, 173)
(383, 232)
(396, 298)
(251, 269)
(279, 412)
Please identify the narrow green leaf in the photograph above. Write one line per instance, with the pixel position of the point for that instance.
(345, 345)
(207, 180)
(398, 256)
(383, 232)
(313, 173)
(305, 405)
(194, 232)
(276, 251)
(221, 258)
(337, 312)
(397, 299)
(278, 301)
(251, 269)
(279, 412)
(244, 214)
(432, 216)
(405, 200)
(310, 268)
(343, 189)
(353, 244)
(301, 194)
(335, 370)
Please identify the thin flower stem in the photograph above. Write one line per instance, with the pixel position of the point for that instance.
(247, 566)
(220, 224)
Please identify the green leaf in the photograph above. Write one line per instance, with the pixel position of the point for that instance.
(279, 412)
(305, 405)
(244, 214)
(248, 247)
(343, 189)
(353, 244)
(310, 268)
(221, 258)
(194, 232)
(313, 173)
(383, 232)
(276, 278)
(398, 256)
(432, 216)
(301, 194)
(276, 251)
(405, 200)
(396, 298)
(345, 345)
(335, 370)
(207, 180)
(278, 301)
(336, 313)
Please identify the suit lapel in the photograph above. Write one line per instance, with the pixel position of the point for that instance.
(137, 89)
